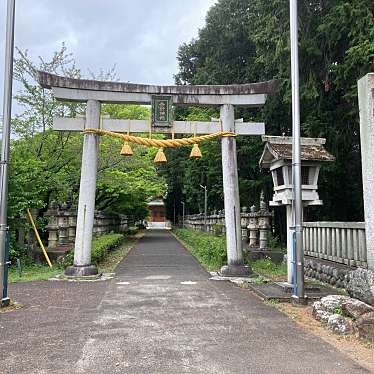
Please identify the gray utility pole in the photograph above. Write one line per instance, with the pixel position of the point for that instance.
(296, 158)
(7, 108)
(183, 207)
(205, 206)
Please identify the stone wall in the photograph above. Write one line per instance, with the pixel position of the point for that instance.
(327, 271)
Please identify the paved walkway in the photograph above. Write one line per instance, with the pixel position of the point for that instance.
(160, 315)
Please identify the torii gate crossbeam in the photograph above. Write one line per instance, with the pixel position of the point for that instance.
(96, 92)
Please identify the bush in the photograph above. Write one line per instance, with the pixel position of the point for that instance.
(100, 247)
(218, 229)
(132, 230)
(103, 244)
(274, 244)
(18, 251)
(208, 249)
(268, 268)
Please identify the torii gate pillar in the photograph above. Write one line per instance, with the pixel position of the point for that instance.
(235, 265)
(87, 191)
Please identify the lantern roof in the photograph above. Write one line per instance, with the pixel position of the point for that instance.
(280, 148)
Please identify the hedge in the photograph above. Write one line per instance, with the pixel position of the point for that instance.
(210, 250)
(100, 248)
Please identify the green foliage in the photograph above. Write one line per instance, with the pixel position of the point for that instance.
(100, 248)
(268, 268)
(218, 229)
(116, 255)
(103, 244)
(132, 230)
(18, 251)
(208, 249)
(338, 310)
(126, 111)
(33, 272)
(273, 302)
(261, 280)
(274, 243)
(247, 41)
(108, 252)
(45, 165)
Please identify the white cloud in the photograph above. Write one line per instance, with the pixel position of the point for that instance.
(141, 38)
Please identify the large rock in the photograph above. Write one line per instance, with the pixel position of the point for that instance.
(365, 326)
(355, 308)
(339, 324)
(319, 314)
(360, 285)
(331, 302)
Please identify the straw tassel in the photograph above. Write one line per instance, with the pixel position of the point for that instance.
(126, 150)
(195, 152)
(160, 157)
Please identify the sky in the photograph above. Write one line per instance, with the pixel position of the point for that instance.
(140, 37)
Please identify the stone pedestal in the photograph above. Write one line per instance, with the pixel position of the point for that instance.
(253, 228)
(52, 226)
(264, 229)
(72, 221)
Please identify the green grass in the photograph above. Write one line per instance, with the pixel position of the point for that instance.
(33, 272)
(269, 269)
(114, 257)
(209, 250)
(101, 247)
(107, 250)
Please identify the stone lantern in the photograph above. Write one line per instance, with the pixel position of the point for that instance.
(277, 156)
(252, 227)
(263, 223)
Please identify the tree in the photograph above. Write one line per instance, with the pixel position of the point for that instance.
(246, 41)
(45, 165)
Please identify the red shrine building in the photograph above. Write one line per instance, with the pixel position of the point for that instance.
(157, 218)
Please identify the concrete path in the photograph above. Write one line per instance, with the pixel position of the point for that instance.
(161, 314)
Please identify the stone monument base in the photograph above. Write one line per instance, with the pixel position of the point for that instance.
(81, 271)
(235, 271)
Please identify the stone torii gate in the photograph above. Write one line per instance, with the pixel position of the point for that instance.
(96, 92)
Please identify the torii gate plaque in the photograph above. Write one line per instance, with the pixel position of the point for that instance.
(96, 92)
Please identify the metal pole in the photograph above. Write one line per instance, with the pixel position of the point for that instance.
(205, 206)
(7, 113)
(183, 204)
(174, 214)
(296, 159)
